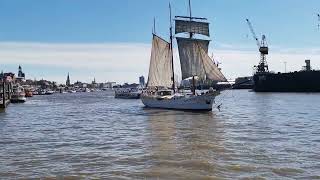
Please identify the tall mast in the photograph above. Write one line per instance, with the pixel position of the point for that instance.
(171, 47)
(190, 10)
(154, 25)
(191, 34)
(190, 14)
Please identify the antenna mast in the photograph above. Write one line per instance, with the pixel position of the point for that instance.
(171, 47)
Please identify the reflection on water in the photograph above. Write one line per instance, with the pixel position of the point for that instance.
(93, 135)
(184, 145)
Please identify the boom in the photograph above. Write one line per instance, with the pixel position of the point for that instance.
(253, 33)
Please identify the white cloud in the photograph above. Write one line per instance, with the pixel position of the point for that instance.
(124, 62)
(240, 62)
(112, 61)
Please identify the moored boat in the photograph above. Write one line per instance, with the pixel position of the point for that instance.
(72, 91)
(49, 92)
(28, 93)
(18, 94)
(127, 93)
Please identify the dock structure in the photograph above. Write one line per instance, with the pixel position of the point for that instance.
(5, 93)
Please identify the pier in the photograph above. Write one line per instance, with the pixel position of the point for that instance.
(5, 93)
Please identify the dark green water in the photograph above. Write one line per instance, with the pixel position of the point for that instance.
(94, 136)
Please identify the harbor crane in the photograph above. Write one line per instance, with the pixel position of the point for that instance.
(263, 49)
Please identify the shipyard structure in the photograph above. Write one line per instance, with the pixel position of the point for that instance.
(306, 80)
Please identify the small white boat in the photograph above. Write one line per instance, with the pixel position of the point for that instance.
(72, 91)
(49, 92)
(35, 92)
(18, 95)
(42, 92)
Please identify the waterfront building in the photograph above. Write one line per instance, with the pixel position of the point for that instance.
(94, 83)
(134, 85)
(109, 85)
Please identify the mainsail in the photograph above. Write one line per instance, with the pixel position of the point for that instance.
(160, 70)
(194, 60)
(190, 57)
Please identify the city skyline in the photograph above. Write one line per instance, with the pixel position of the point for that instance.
(111, 40)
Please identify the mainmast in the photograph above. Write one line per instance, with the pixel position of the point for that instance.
(154, 26)
(171, 47)
(190, 13)
(190, 36)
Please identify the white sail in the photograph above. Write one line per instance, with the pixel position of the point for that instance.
(192, 27)
(160, 70)
(194, 60)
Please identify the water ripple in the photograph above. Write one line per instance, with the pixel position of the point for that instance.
(94, 136)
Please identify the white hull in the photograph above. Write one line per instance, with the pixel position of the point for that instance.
(18, 95)
(18, 99)
(200, 102)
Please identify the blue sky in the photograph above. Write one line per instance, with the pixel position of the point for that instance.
(290, 27)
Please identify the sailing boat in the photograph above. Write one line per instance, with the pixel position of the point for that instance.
(194, 61)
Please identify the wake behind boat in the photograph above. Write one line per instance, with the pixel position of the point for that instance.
(194, 61)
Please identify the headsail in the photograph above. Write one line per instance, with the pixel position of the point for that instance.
(211, 69)
(160, 70)
(194, 60)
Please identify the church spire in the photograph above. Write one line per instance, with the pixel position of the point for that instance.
(68, 80)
